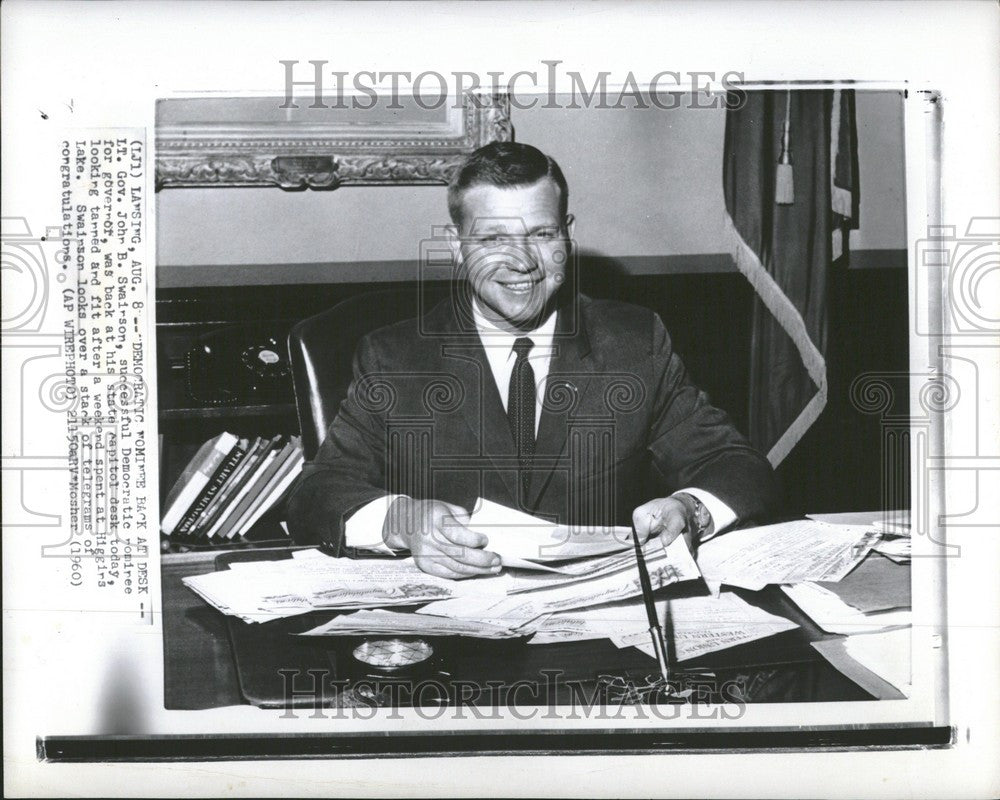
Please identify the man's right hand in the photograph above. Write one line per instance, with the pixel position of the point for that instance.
(436, 535)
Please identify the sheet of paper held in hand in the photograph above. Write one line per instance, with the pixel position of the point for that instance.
(789, 552)
(523, 541)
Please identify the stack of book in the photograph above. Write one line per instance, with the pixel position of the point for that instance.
(228, 486)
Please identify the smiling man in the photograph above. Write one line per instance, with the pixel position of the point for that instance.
(521, 390)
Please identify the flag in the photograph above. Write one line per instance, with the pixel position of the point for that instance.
(790, 178)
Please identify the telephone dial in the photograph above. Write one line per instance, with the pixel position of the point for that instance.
(239, 365)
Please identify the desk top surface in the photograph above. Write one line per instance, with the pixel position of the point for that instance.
(212, 660)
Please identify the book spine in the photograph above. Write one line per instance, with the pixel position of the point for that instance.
(223, 500)
(286, 459)
(214, 526)
(211, 490)
(277, 492)
(253, 491)
(189, 493)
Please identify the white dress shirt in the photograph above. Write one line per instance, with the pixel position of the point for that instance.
(499, 347)
(364, 528)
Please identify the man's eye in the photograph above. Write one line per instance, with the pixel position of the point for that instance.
(546, 234)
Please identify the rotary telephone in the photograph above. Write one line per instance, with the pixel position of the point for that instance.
(239, 365)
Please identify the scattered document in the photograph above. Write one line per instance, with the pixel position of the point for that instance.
(706, 624)
(878, 662)
(586, 569)
(588, 587)
(896, 523)
(394, 623)
(896, 548)
(892, 522)
(893, 525)
(700, 624)
(668, 566)
(258, 591)
(876, 584)
(789, 552)
(886, 654)
(528, 542)
(833, 615)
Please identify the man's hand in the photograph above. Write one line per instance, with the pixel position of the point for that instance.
(435, 534)
(666, 516)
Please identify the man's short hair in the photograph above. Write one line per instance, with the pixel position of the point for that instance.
(505, 164)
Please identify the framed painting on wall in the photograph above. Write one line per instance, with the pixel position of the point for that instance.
(322, 143)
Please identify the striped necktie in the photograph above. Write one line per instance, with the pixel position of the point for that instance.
(521, 410)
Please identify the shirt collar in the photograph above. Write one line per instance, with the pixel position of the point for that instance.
(498, 338)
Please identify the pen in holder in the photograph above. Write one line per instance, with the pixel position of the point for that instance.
(655, 632)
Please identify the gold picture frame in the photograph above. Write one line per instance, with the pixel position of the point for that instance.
(271, 141)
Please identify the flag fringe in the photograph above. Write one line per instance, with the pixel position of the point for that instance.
(788, 316)
(841, 200)
(803, 422)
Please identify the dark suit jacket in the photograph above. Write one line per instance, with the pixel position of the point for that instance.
(621, 424)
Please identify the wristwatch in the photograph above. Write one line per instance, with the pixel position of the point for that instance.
(698, 516)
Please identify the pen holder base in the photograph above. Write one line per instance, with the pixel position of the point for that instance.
(626, 690)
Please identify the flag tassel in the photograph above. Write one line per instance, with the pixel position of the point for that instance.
(784, 186)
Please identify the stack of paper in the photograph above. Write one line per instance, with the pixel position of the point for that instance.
(665, 567)
(790, 552)
(262, 599)
(565, 573)
(567, 584)
(833, 615)
(895, 547)
(700, 624)
(258, 591)
(393, 623)
(874, 596)
(876, 584)
(893, 525)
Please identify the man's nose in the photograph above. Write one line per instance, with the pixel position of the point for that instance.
(520, 257)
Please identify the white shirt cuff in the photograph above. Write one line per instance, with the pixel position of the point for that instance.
(363, 529)
(722, 515)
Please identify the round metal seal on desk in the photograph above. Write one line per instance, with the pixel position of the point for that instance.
(394, 655)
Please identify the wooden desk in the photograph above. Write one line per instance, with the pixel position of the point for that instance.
(201, 669)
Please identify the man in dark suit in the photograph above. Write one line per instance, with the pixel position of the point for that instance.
(521, 390)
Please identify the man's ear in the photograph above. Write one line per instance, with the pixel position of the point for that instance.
(569, 224)
(454, 242)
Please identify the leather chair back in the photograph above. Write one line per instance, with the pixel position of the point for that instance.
(321, 352)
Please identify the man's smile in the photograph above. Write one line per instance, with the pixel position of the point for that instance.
(521, 286)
